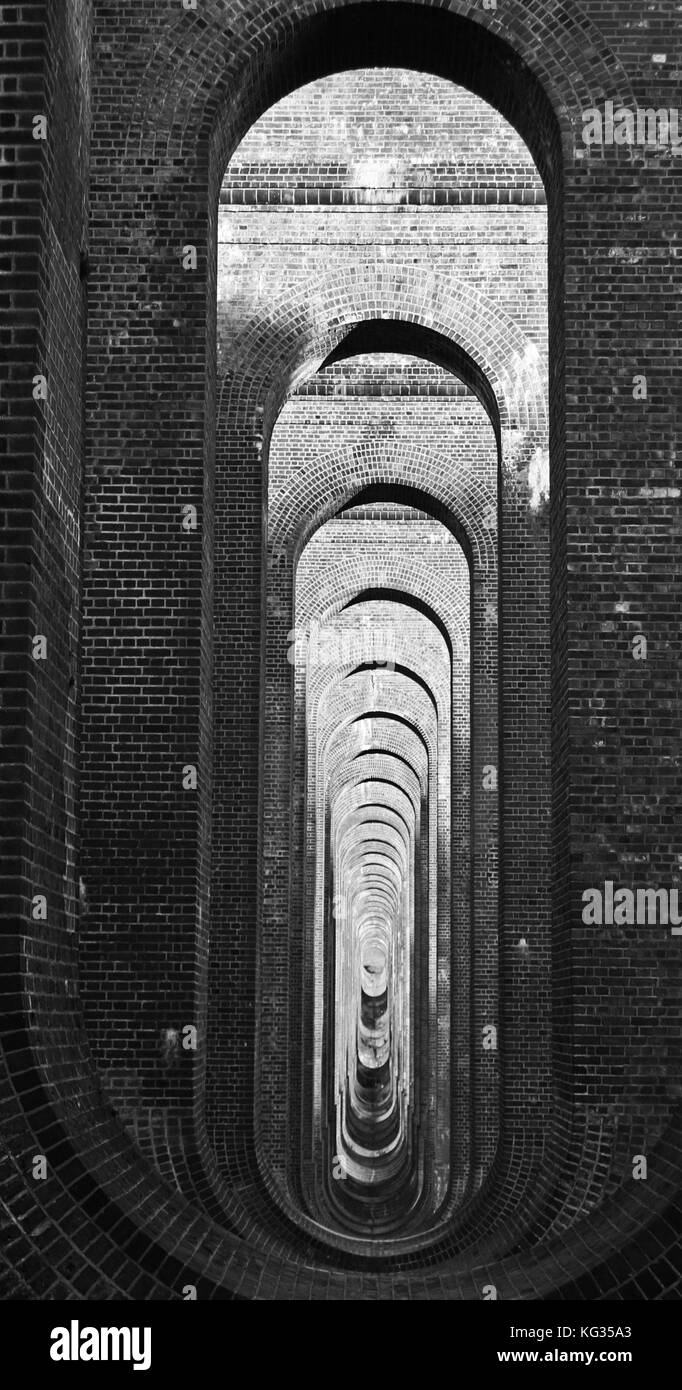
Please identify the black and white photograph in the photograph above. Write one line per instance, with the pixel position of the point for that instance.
(341, 951)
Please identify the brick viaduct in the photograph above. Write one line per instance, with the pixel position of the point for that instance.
(332, 518)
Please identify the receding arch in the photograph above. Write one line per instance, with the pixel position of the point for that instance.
(199, 87)
(409, 600)
(250, 398)
(417, 340)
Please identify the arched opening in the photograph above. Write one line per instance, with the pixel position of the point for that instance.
(282, 344)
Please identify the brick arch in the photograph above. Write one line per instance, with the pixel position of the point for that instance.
(306, 323)
(193, 71)
(396, 739)
(332, 483)
(337, 479)
(345, 705)
(343, 578)
(334, 698)
(200, 83)
(409, 338)
(373, 821)
(410, 583)
(302, 328)
(192, 174)
(339, 586)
